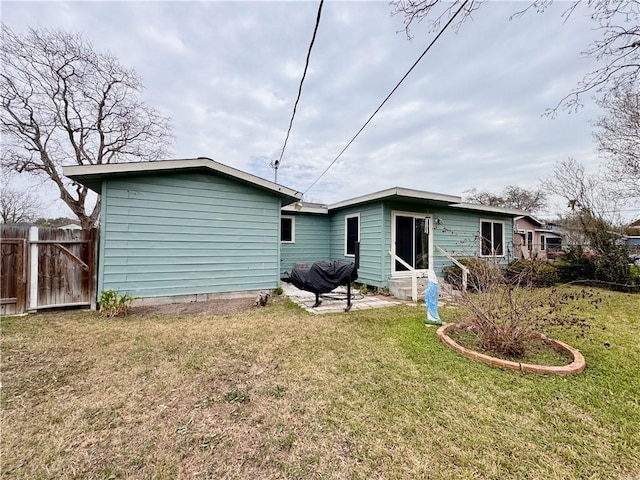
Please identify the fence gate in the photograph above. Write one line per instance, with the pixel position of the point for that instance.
(13, 269)
(47, 268)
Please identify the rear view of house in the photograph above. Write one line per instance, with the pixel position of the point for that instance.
(185, 230)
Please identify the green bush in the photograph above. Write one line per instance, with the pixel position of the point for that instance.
(613, 265)
(533, 273)
(634, 275)
(112, 304)
(384, 291)
(576, 264)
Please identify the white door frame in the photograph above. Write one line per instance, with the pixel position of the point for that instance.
(398, 213)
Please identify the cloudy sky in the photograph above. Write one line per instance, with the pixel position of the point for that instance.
(471, 115)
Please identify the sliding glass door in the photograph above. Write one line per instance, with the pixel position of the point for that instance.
(410, 237)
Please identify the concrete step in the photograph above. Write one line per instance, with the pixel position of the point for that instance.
(401, 288)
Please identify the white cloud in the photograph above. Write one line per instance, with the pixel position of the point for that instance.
(469, 115)
(169, 42)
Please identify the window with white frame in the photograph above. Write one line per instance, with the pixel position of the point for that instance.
(287, 229)
(491, 238)
(351, 233)
(543, 242)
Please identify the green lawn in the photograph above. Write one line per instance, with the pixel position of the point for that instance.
(280, 393)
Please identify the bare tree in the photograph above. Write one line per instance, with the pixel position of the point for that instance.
(511, 197)
(483, 198)
(597, 211)
(584, 191)
(523, 199)
(618, 139)
(618, 48)
(572, 231)
(18, 206)
(63, 103)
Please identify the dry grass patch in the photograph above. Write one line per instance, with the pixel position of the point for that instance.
(279, 393)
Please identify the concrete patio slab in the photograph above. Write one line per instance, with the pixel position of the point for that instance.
(335, 301)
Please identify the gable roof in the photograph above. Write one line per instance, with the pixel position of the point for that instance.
(92, 175)
(306, 207)
(397, 193)
(485, 208)
(530, 219)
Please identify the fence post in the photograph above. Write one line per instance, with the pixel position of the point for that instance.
(92, 261)
(33, 268)
(21, 276)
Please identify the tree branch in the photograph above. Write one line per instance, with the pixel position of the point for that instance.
(64, 103)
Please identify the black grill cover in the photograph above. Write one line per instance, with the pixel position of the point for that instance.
(324, 276)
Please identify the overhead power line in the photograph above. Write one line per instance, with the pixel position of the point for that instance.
(389, 96)
(276, 164)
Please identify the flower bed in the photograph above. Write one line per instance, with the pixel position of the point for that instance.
(576, 366)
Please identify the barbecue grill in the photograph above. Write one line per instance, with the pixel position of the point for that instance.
(325, 276)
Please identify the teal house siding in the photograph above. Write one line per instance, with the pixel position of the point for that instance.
(454, 230)
(311, 241)
(188, 233)
(458, 233)
(194, 227)
(371, 271)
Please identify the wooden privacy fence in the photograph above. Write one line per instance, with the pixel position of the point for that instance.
(47, 268)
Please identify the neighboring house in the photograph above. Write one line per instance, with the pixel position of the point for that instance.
(184, 229)
(70, 226)
(534, 239)
(632, 240)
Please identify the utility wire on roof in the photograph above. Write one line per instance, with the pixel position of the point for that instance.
(388, 96)
(276, 164)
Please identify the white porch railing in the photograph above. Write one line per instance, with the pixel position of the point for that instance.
(414, 276)
(465, 270)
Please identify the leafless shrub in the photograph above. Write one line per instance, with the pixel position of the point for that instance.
(507, 311)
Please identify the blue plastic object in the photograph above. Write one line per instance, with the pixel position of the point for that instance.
(431, 299)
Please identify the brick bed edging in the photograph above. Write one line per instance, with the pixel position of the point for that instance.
(577, 366)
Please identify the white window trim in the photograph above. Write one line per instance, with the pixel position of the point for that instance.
(543, 242)
(530, 245)
(346, 218)
(293, 228)
(504, 247)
